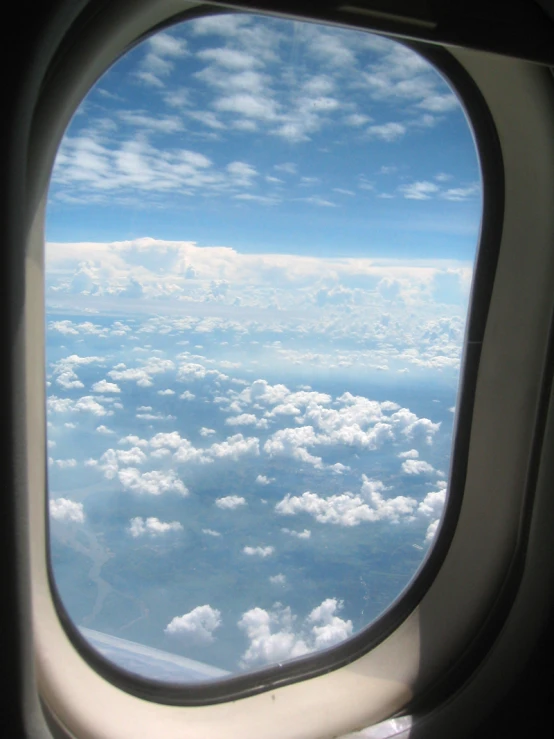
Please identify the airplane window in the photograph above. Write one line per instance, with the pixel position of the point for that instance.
(260, 247)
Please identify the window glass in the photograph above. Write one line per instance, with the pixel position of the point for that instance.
(260, 243)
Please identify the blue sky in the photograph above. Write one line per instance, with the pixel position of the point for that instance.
(271, 136)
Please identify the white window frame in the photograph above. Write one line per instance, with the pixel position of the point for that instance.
(500, 561)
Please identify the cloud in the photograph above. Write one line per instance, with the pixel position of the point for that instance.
(196, 626)
(306, 534)
(274, 637)
(104, 430)
(259, 551)
(350, 509)
(246, 419)
(133, 440)
(416, 467)
(433, 503)
(230, 502)
(264, 480)
(279, 579)
(152, 526)
(156, 482)
(204, 431)
(461, 194)
(229, 58)
(162, 47)
(419, 190)
(86, 404)
(210, 532)
(64, 369)
(63, 509)
(391, 131)
(432, 530)
(410, 454)
(234, 447)
(103, 386)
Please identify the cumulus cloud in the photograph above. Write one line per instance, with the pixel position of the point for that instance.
(152, 526)
(350, 509)
(156, 482)
(103, 386)
(275, 635)
(416, 467)
(85, 404)
(264, 480)
(432, 530)
(433, 503)
(229, 502)
(63, 509)
(196, 626)
(246, 419)
(410, 454)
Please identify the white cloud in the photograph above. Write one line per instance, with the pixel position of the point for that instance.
(264, 480)
(416, 467)
(433, 503)
(63, 509)
(210, 532)
(461, 194)
(196, 626)
(246, 419)
(204, 431)
(387, 131)
(234, 447)
(259, 551)
(166, 392)
(230, 502)
(328, 628)
(422, 190)
(187, 395)
(274, 638)
(86, 404)
(152, 526)
(229, 58)
(279, 579)
(267, 647)
(156, 482)
(349, 509)
(306, 534)
(104, 430)
(133, 440)
(410, 454)
(432, 530)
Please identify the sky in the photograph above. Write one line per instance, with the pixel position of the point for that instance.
(263, 135)
(260, 246)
